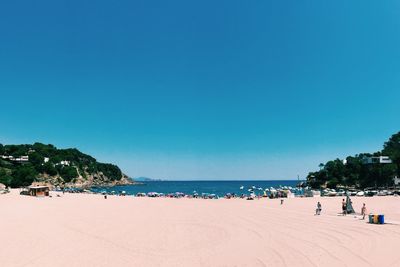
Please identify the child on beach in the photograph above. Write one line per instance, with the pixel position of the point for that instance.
(363, 211)
(319, 208)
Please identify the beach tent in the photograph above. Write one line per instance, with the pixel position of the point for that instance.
(349, 206)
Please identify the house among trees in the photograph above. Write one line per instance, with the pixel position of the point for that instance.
(22, 159)
(363, 170)
(377, 160)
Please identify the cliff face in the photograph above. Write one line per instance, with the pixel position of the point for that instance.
(94, 179)
(99, 179)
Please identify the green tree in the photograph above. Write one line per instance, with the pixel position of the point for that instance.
(68, 173)
(36, 159)
(392, 149)
(5, 177)
(23, 175)
(47, 168)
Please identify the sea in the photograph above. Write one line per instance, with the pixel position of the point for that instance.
(219, 188)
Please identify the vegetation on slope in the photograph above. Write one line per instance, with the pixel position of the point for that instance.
(355, 172)
(48, 161)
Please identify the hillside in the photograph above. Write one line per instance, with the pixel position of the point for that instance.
(376, 169)
(20, 165)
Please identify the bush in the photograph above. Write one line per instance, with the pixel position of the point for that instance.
(68, 173)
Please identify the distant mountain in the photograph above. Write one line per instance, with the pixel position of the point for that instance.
(146, 179)
(21, 165)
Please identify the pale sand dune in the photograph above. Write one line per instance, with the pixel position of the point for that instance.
(86, 230)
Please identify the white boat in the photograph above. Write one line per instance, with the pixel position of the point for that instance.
(332, 194)
(341, 192)
(382, 193)
(360, 194)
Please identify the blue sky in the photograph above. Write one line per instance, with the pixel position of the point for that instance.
(202, 89)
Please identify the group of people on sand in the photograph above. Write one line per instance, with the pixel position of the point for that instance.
(344, 208)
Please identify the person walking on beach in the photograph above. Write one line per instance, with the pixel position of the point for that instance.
(344, 208)
(363, 211)
(319, 208)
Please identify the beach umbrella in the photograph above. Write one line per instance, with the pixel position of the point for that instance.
(242, 187)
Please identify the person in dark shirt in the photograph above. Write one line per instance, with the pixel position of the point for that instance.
(344, 208)
(319, 208)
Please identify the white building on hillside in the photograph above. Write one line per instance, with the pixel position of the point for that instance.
(65, 163)
(22, 159)
(377, 160)
(396, 180)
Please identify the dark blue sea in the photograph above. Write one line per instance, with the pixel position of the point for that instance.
(219, 188)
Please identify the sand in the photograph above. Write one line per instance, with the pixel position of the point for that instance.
(87, 230)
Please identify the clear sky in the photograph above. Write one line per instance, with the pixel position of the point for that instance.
(202, 89)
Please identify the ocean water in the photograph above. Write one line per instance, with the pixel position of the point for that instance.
(219, 188)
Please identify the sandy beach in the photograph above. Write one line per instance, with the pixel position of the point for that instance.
(87, 230)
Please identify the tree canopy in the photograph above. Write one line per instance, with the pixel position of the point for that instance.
(16, 174)
(354, 172)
